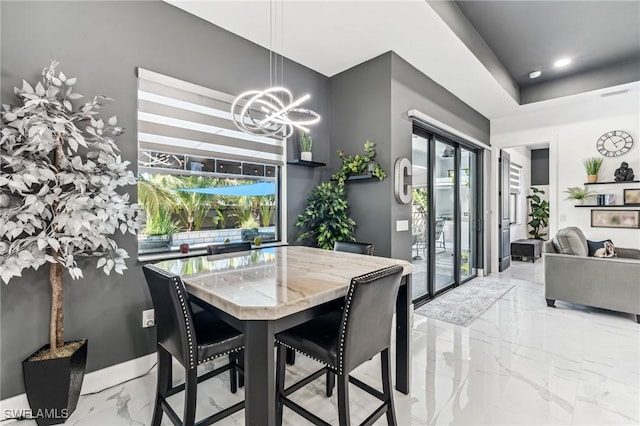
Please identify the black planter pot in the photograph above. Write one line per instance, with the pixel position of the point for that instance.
(53, 386)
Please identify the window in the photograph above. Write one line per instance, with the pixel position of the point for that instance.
(201, 180)
(514, 193)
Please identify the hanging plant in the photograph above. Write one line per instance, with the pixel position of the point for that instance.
(359, 164)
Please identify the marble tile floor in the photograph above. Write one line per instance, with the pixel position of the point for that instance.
(519, 363)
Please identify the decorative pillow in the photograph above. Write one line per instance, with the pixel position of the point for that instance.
(601, 248)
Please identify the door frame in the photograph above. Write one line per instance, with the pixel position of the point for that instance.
(430, 133)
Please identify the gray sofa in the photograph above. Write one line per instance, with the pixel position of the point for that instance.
(570, 275)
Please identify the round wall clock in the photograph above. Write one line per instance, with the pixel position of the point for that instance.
(614, 143)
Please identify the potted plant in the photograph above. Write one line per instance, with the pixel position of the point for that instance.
(158, 231)
(60, 173)
(354, 165)
(580, 194)
(305, 147)
(538, 212)
(592, 166)
(326, 218)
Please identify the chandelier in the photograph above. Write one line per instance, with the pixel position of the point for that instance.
(272, 111)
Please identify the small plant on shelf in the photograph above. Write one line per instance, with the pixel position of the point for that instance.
(592, 167)
(305, 146)
(353, 165)
(580, 194)
(538, 212)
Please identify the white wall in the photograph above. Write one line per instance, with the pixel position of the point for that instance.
(572, 132)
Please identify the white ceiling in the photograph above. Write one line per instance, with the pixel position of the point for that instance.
(332, 36)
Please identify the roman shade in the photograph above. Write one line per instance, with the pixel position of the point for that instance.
(182, 118)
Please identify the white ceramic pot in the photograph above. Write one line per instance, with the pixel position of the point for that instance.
(306, 156)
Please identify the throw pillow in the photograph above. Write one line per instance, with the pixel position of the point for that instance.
(601, 248)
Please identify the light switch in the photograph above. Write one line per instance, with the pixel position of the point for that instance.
(402, 225)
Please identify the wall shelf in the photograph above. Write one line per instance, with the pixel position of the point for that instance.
(306, 163)
(608, 183)
(366, 177)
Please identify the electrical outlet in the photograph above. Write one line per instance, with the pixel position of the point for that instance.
(148, 318)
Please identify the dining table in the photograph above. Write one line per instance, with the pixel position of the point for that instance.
(268, 290)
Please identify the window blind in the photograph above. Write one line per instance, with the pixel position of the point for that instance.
(514, 178)
(178, 117)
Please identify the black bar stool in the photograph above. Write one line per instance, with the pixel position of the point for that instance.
(354, 247)
(192, 340)
(350, 247)
(344, 339)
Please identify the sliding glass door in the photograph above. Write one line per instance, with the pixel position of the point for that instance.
(420, 178)
(467, 174)
(445, 212)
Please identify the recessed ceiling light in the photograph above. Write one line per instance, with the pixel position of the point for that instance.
(535, 74)
(562, 62)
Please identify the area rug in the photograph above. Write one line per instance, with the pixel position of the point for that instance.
(465, 303)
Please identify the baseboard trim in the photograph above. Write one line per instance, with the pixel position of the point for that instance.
(93, 382)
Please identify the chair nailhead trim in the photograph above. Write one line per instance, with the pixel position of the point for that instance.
(221, 354)
(333, 367)
(179, 290)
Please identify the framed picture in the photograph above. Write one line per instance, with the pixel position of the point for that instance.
(632, 197)
(615, 219)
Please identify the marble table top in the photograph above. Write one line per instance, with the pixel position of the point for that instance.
(274, 282)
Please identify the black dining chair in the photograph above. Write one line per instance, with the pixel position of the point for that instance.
(191, 339)
(350, 247)
(228, 248)
(354, 247)
(344, 339)
(238, 358)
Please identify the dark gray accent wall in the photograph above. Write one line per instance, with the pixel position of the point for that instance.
(410, 89)
(360, 112)
(102, 43)
(370, 102)
(540, 166)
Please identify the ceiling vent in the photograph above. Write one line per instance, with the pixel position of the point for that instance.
(617, 92)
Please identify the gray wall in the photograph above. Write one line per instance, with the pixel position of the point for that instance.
(410, 89)
(540, 166)
(102, 43)
(360, 112)
(370, 102)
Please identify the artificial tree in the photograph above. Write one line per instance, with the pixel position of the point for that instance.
(60, 173)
